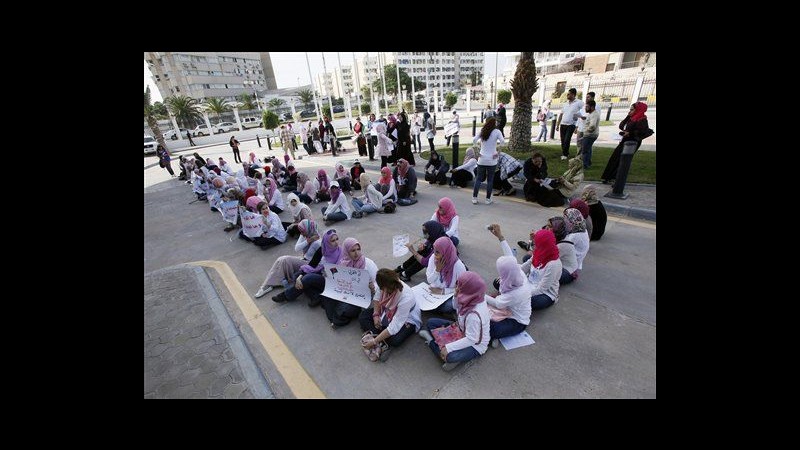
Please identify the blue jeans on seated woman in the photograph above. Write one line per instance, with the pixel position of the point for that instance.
(504, 328)
(360, 206)
(463, 355)
(334, 217)
(566, 277)
(541, 301)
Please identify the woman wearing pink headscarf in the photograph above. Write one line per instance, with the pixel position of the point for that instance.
(306, 190)
(343, 177)
(583, 207)
(634, 128)
(323, 193)
(273, 196)
(447, 216)
(406, 178)
(443, 270)
(473, 320)
(387, 186)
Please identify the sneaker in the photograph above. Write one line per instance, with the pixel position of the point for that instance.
(262, 292)
(489, 201)
(495, 343)
(497, 192)
(525, 245)
(280, 298)
(229, 227)
(448, 366)
(474, 200)
(426, 335)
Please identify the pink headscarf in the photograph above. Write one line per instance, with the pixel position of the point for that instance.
(581, 206)
(392, 119)
(471, 290)
(444, 245)
(252, 202)
(340, 170)
(511, 276)
(345, 260)
(272, 188)
(449, 211)
(402, 167)
(386, 176)
(322, 177)
(639, 109)
(545, 249)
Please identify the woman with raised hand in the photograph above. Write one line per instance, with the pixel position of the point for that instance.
(371, 201)
(311, 274)
(446, 215)
(393, 317)
(431, 230)
(473, 320)
(285, 267)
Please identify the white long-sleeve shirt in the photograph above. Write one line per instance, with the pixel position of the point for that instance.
(566, 253)
(307, 250)
(407, 312)
(391, 194)
(489, 147)
(435, 278)
(581, 241)
(544, 280)
(272, 227)
(372, 196)
(469, 166)
(476, 330)
(452, 229)
(277, 200)
(341, 205)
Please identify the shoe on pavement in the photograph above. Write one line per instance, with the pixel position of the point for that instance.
(385, 350)
(262, 291)
(495, 343)
(426, 335)
(563, 157)
(280, 298)
(474, 200)
(525, 245)
(512, 191)
(489, 201)
(405, 277)
(229, 227)
(448, 366)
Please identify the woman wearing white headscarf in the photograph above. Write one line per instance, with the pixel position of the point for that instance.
(464, 173)
(300, 211)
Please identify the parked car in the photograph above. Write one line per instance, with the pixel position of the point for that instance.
(150, 144)
(172, 135)
(338, 108)
(251, 122)
(308, 113)
(224, 127)
(201, 130)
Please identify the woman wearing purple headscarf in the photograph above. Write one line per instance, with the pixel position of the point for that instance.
(443, 271)
(341, 313)
(323, 193)
(310, 274)
(473, 320)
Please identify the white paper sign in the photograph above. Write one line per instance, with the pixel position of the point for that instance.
(399, 245)
(251, 224)
(347, 284)
(230, 210)
(215, 199)
(517, 340)
(450, 128)
(427, 300)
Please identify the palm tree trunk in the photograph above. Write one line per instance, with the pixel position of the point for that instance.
(523, 86)
(153, 124)
(521, 127)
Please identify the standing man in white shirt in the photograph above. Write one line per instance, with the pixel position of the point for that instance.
(570, 113)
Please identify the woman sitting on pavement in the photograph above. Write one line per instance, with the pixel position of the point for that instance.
(273, 196)
(513, 305)
(394, 316)
(323, 193)
(342, 177)
(567, 185)
(446, 215)
(583, 207)
(290, 180)
(443, 270)
(473, 320)
(597, 212)
(535, 171)
(300, 211)
(311, 273)
(463, 174)
(387, 186)
(371, 201)
(341, 313)
(355, 175)
(576, 227)
(306, 190)
(272, 232)
(436, 169)
(566, 249)
(431, 230)
(406, 178)
(338, 208)
(285, 267)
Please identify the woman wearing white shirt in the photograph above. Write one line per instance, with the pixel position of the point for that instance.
(515, 294)
(447, 216)
(273, 196)
(443, 271)
(487, 161)
(371, 201)
(338, 208)
(386, 186)
(578, 235)
(384, 143)
(473, 320)
(272, 232)
(341, 313)
(465, 172)
(285, 267)
(394, 316)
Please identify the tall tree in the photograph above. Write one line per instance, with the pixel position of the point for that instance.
(276, 102)
(365, 90)
(523, 86)
(390, 74)
(218, 106)
(185, 110)
(150, 117)
(246, 100)
(306, 96)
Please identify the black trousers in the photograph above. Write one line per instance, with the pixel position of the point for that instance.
(368, 324)
(566, 137)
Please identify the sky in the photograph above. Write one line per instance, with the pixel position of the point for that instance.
(291, 68)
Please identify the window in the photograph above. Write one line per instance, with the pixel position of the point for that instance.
(609, 67)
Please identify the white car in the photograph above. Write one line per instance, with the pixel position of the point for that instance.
(150, 144)
(172, 135)
(224, 127)
(200, 130)
(251, 122)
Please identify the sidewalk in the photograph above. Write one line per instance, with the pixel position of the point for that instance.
(192, 349)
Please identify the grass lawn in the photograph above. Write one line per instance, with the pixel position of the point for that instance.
(643, 166)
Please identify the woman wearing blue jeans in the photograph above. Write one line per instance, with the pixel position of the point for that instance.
(487, 160)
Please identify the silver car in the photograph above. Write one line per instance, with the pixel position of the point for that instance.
(150, 145)
(225, 127)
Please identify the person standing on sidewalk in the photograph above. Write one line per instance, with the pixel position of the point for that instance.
(164, 159)
(287, 136)
(372, 139)
(189, 136)
(235, 147)
(487, 161)
(570, 114)
(591, 132)
(501, 118)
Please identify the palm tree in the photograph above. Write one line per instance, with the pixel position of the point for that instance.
(306, 96)
(246, 100)
(218, 106)
(276, 102)
(185, 110)
(523, 86)
(150, 116)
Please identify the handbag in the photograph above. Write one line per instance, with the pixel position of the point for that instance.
(373, 353)
(446, 335)
(161, 163)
